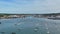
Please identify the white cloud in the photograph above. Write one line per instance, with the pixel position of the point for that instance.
(35, 6)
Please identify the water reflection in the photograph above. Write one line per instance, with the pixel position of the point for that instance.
(0, 22)
(48, 32)
(13, 33)
(36, 29)
(2, 32)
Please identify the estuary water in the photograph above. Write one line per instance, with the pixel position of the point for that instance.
(29, 25)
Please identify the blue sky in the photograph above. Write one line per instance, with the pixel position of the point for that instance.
(29, 6)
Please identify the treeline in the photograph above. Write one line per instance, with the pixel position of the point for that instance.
(2, 15)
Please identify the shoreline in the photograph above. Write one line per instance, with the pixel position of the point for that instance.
(25, 17)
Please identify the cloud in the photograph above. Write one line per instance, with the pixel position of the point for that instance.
(29, 6)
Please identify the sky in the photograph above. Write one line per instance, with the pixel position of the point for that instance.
(30, 6)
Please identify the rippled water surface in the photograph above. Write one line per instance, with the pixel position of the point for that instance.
(29, 25)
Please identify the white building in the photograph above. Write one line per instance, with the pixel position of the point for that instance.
(13, 16)
(58, 16)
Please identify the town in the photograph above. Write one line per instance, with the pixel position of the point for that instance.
(49, 16)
